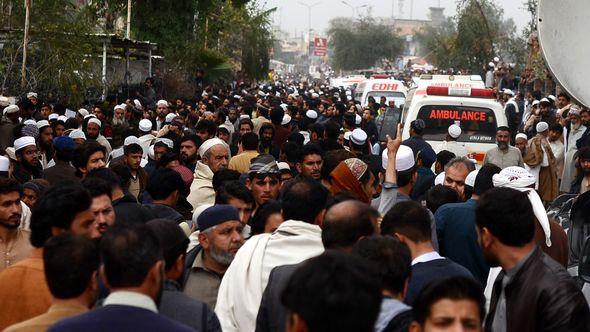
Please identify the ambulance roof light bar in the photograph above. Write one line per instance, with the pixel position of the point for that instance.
(459, 92)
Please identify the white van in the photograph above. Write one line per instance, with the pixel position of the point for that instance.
(377, 88)
(473, 109)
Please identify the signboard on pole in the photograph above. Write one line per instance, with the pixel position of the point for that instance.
(320, 46)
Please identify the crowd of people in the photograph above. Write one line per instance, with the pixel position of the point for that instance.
(277, 208)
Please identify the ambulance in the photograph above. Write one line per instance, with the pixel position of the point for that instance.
(380, 87)
(462, 100)
(346, 82)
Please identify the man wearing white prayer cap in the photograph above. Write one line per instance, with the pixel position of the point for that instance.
(450, 143)
(27, 166)
(575, 132)
(32, 96)
(81, 114)
(78, 136)
(357, 142)
(521, 142)
(146, 137)
(92, 130)
(45, 145)
(161, 112)
(214, 155)
(9, 121)
(540, 161)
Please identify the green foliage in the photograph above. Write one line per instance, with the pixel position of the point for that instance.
(361, 44)
(439, 43)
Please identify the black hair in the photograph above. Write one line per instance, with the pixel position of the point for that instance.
(318, 129)
(123, 173)
(331, 160)
(167, 157)
(508, 215)
(69, 262)
(233, 189)
(391, 258)
(249, 141)
(404, 177)
(291, 151)
(564, 95)
(343, 231)
(172, 239)
(332, 130)
(262, 110)
(221, 115)
(444, 157)
(97, 187)
(71, 123)
(206, 125)
(83, 152)
(108, 175)
(309, 149)
(439, 195)
(276, 115)
(128, 253)
(222, 130)
(132, 148)
(259, 220)
(196, 139)
(408, 218)
(503, 128)
(296, 138)
(454, 288)
(556, 128)
(346, 293)
(163, 182)
(266, 126)
(57, 208)
(483, 180)
(303, 199)
(246, 121)
(8, 185)
(224, 176)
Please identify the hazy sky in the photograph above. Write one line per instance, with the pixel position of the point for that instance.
(293, 16)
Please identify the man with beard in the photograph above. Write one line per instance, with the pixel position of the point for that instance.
(92, 131)
(530, 284)
(87, 157)
(14, 241)
(9, 121)
(266, 135)
(146, 137)
(310, 161)
(232, 116)
(27, 166)
(214, 156)
(189, 147)
(132, 267)
(161, 112)
(504, 155)
(575, 132)
(582, 182)
(520, 142)
(102, 206)
(139, 177)
(44, 141)
(220, 238)
(120, 124)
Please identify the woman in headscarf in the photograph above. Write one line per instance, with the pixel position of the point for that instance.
(353, 175)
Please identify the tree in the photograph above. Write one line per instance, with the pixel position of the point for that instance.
(438, 43)
(362, 43)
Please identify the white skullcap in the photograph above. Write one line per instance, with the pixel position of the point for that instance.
(454, 131)
(244, 116)
(4, 164)
(30, 122)
(520, 179)
(31, 94)
(440, 178)
(496, 59)
(169, 143)
(315, 95)
(83, 112)
(349, 98)
(24, 142)
(120, 107)
(491, 64)
(62, 118)
(208, 144)
(521, 135)
(53, 116)
(151, 154)
(162, 102)
(130, 140)
(77, 133)
(358, 137)
(552, 97)
(89, 116)
(470, 179)
(311, 114)
(95, 121)
(10, 153)
(284, 107)
(357, 119)
(283, 166)
(145, 125)
(286, 119)
(348, 93)
(508, 92)
(42, 124)
(137, 104)
(542, 126)
(347, 135)
(169, 117)
(545, 100)
(4, 101)
(11, 109)
(204, 94)
(261, 93)
(237, 96)
(535, 103)
(404, 159)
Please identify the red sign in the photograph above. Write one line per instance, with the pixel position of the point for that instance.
(457, 115)
(320, 46)
(384, 86)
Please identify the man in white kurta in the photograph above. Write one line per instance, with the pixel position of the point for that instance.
(244, 282)
(576, 132)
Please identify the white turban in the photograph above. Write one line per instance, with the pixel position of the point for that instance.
(95, 121)
(520, 179)
(208, 144)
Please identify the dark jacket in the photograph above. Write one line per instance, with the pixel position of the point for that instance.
(183, 309)
(541, 296)
(164, 212)
(271, 313)
(128, 211)
(119, 318)
(61, 171)
(22, 175)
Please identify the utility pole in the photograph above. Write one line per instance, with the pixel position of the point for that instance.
(309, 7)
(128, 31)
(23, 71)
